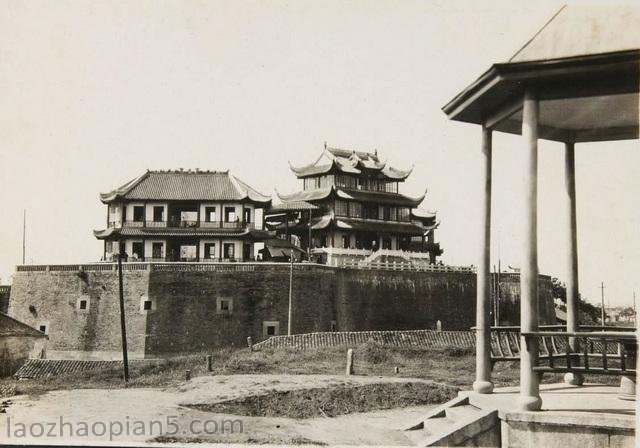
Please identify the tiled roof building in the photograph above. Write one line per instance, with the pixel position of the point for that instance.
(350, 204)
(183, 216)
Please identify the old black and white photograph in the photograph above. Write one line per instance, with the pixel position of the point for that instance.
(309, 223)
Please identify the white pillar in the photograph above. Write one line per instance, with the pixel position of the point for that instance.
(572, 253)
(529, 382)
(483, 383)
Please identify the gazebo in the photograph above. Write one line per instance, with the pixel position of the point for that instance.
(577, 80)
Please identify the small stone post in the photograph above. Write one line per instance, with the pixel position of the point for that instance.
(349, 362)
(187, 375)
(250, 343)
(209, 363)
(438, 326)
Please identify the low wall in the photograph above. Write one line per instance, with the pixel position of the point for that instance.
(185, 299)
(415, 338)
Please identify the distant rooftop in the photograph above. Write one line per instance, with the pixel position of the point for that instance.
(349, 162)
(13, 327)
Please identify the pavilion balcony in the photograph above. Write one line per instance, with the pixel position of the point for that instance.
(184, 224)
(184, 260)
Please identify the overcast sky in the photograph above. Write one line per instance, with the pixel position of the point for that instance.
(94, 93)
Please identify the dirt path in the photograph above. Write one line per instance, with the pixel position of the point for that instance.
(125, 415)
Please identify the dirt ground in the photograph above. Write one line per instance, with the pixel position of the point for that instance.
(125, 415)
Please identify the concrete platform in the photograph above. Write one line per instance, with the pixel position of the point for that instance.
(585, 416)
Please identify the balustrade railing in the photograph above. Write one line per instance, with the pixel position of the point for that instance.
(184, 224)
(590, 352)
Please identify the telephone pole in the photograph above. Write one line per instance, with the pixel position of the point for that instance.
(123, 326)
(290, 293)
(24, 232)
(602, 299)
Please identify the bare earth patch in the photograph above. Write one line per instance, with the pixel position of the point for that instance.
(180, 403)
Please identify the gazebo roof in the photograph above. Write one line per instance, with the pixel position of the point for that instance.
(584, 67)
(594, 29)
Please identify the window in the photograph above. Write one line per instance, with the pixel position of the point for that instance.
(270, 328)
(386, 213)
(342, 208)
(158, 213)
(224, 305)
(229, 214)
(370, 211)
(210, 214)
(43, 328)
(138, 213)
(229, 250)
(386, 242)
(146, 305)
(247, 215)
(345, 241)
(345, 181)
(393, 213)
(108, 247)
(210, 250)
(403, 214)
(355, 210)
(137, 250)
(156, 250)
(83, 305)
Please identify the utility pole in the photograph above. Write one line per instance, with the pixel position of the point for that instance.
(309, 245)
(24, 232)
(602, 299)
(290, 292)
(498, 295)
(635, 314)
(123, 327)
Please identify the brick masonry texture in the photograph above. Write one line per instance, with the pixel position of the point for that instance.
(185, 317)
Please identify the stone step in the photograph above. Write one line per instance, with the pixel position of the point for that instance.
(464, 412)
(429, 428)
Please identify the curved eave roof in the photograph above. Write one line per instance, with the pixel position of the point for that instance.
(380, 226)
(159, 233)
(349, 162)
(306, 195)
(380, 197)
(293, 206)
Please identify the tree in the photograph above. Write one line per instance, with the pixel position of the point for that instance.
(589, 314)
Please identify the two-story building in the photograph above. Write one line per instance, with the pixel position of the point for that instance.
(350, 207)
(183, 216)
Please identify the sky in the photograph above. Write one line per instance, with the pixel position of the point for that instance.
(92, 94)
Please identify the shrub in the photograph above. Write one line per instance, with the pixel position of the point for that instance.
(374, 353)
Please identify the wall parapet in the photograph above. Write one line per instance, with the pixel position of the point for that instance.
(165, 267)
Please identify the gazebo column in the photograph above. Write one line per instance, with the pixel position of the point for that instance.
(483, 383)
(529, 381)
(572, 255)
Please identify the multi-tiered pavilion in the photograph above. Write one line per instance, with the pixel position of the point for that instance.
(351, 207)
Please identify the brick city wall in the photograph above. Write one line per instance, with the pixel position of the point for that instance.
(185, 316)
